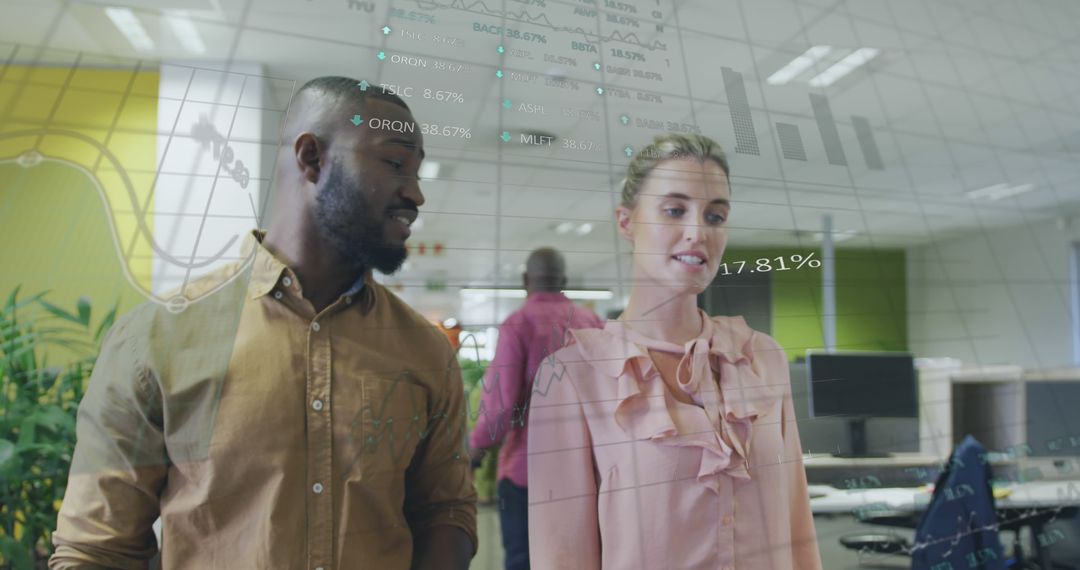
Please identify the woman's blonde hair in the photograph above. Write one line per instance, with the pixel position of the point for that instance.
(668, 147)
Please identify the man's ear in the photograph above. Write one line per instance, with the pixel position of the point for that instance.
(308, 150)
(623, 223)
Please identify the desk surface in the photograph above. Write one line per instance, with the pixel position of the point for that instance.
(894, 460)
(1038, 494)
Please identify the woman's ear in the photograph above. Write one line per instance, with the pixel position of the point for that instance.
(624, 223)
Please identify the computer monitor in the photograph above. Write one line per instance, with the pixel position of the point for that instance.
(1053, 426)
(862, 385)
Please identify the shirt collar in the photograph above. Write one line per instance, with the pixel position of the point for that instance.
(609, 349)
(357, 286)
(267, 270)
(546, 297)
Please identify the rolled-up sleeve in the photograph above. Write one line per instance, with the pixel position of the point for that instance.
(119, 465)
(564, 530)
(439, 486)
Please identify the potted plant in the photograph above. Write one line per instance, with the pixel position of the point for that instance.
(38, 404)
(472, 372)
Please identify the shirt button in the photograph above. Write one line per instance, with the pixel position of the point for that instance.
(348, 300)
(317, 487)
(727, 520)
(278, 295)
(286, 281)
(319, 568)
(315, 327)
(317, 404)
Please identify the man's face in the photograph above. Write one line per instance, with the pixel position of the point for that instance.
(372, 193)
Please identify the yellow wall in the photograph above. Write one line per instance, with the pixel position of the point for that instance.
(64, 220)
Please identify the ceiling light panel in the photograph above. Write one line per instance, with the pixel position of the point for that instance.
(130, 26)
(799, 65)
(850, 63)
(184, 29)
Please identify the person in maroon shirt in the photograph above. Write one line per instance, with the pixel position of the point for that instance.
(527, 336)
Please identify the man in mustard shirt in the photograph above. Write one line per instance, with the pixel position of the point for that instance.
(285, 411)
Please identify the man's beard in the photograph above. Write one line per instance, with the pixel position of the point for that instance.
(347, 222)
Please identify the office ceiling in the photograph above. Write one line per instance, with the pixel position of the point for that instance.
(962, 95)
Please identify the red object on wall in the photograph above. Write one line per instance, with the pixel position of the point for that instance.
(421, 248)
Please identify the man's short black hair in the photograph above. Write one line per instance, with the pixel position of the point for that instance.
(342, 88)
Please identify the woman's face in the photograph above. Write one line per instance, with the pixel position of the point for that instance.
(678, 225)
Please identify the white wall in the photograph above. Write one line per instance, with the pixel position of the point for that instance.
(200, 209)
(993, 297)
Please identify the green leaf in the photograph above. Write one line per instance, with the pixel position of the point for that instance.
(49, 331)
(106, 323)
(83, 304)
(22, 338)
(27, 430)
(7, 453)
(27, 359)
(54, 419)
(21, 352)
(11, 298)
(15, 553)
(12, 325)
(12, 306)
(57, 311)
(40, 450)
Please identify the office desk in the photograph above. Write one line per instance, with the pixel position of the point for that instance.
(895, 470)
(825, 499)
(1031, 504)
(892, 461)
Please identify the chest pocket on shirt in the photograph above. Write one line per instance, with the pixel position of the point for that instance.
(390, 425)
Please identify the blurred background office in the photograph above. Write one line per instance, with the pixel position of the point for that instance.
(906, 217)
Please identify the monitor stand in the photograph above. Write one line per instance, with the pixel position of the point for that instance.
(857, 431)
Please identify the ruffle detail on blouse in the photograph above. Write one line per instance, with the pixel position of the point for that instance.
(723, 350)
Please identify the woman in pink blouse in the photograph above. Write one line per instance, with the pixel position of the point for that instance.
(668, 439)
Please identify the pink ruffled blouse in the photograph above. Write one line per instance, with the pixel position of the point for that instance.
(622, 475)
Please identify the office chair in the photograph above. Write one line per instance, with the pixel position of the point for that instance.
(965, 468)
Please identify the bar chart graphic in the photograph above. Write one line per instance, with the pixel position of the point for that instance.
(830, 137)
(790, 141)
(867, 143)
(745, 138)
